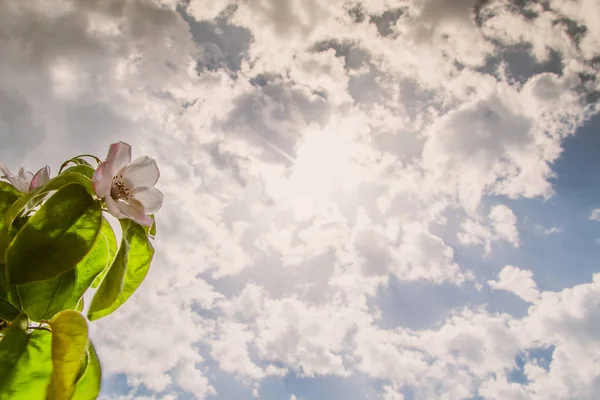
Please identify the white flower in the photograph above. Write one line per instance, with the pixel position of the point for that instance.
(128, 187)
(25, 181)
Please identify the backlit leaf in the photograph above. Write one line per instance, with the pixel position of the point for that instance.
(127, 272)
(33, 199)
(26, 365)
(88, 385)
(43, 299)
(56, 237)
(69, 343)
(85, 170)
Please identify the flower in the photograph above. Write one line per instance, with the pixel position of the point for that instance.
(25, 181)
(128, 187)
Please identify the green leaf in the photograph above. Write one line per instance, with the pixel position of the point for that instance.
(88, 385)
(5, 240)
(85, 170)
(34, 198)
(69, 342)
(127, 272)
(55, 238)
(111, 241)
(9, 298)
(8, 312)
(6, 187)
(42, 300)
(12, 346)
(8, 195)
(26, 365)
(151, 230)
(80, 305)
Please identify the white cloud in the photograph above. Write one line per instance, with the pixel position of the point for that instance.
(391, 393)
(518, 281)
(595, 216)
(581, 13)
(311, 153)
(548, 231)
(501, 226)
(477, 349)
(504, 223)
(192, 380)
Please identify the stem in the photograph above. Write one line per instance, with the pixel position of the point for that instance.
(63, 166)
(91, 156)
(79, 156)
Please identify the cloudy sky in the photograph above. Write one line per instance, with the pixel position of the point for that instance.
(386, 199)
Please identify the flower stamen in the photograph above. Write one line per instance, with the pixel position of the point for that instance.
(119, 189)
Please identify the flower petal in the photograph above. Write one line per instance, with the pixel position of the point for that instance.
(102, 180)
(119, 155)
(25, 175)
(5, 170)
(151, 199)
(40, 178)
(21, 184)
(113, 208)
(13, 179)
(141, 173)
(134, 210)
(20, 181)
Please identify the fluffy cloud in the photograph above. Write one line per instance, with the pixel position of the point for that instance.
(476, 349)
(501, 226)
(518, 281)
(548, 231)
(312, 153)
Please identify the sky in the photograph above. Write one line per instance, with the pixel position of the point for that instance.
(386, 199)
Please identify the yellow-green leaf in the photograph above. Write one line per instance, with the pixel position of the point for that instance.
(83, 169)
(80, 305)
(88, 385)
(55, 238)
(42, 300)
(111, 242)
(127, 272)
(34, 198)
(26, 365)
(12, 347)
(69, 341)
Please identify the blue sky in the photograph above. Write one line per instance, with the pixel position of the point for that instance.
(388, 199)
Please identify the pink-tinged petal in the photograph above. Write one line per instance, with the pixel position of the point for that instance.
(40, 178)
(151, 199)
(5, 170)
(102, 180)
(20, 183)
(113, 208)
(135, 211)
(119, 155)
(25, 175)
(141, 173)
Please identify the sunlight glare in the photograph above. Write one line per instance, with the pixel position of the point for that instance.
(322, 166)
